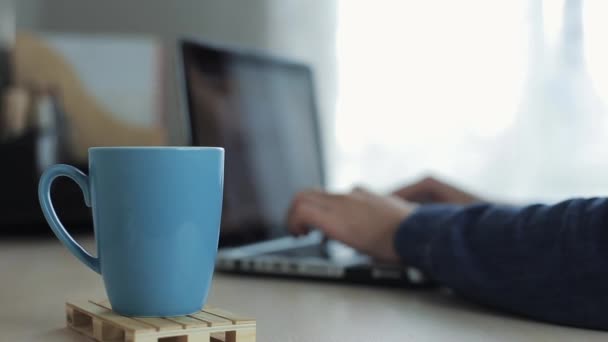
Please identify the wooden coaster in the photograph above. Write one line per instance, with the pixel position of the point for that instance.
(95, 319)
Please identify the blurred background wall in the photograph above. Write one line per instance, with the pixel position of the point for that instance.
(303, 30)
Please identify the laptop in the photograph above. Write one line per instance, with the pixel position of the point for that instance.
(262, 111)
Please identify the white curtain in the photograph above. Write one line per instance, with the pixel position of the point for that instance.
(506, 98)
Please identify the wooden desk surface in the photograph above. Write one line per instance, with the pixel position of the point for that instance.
(37, 276)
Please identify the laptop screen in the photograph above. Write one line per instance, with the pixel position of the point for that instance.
(262, 112)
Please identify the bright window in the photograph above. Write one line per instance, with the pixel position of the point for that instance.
(503, 97)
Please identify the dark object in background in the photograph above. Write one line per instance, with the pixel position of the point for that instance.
(5, 75)
(23, 158)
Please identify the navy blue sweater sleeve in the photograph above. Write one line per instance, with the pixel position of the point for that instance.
(548, 262)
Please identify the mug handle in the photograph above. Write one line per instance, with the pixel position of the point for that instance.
(44, 196)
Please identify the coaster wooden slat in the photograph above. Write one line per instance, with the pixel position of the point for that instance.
(187, 322)
(236, 319)
(158, 323)
(95, 320)
(109, 316)
(213, 320)
(240, 335)
(103, 302)
(218, 337)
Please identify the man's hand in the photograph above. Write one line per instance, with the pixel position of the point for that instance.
(431, 190)
(360, 219)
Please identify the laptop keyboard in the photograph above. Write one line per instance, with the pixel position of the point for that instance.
(314, 251)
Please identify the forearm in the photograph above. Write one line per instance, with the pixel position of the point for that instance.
(547, 262)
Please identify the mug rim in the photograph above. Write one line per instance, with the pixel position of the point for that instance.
(173, 148)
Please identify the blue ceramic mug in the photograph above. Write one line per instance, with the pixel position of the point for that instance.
(156, 214)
